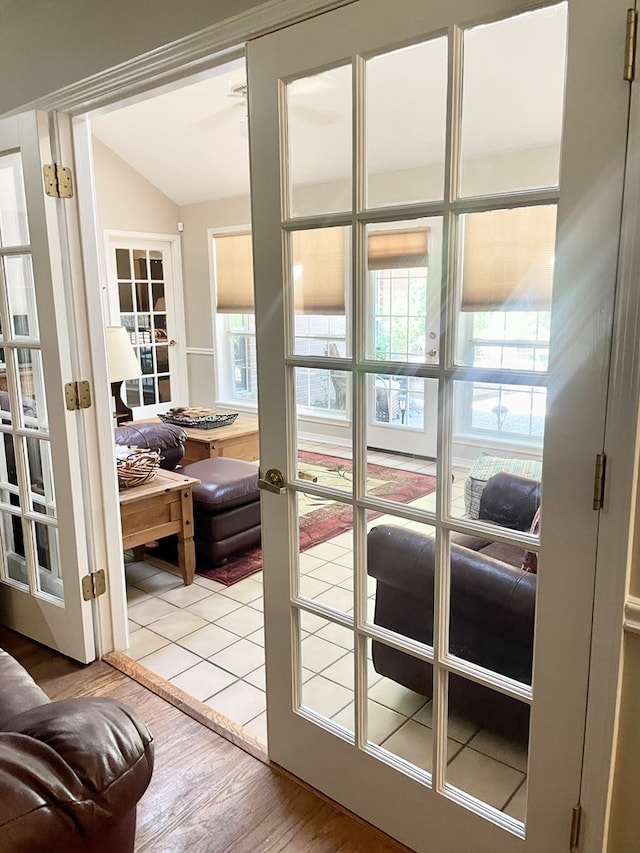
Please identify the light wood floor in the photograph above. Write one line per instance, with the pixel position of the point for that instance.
(206, 795)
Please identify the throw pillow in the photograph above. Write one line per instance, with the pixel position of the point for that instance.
(484, 467)
(530, 559)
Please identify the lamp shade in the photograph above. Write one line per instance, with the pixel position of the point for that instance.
(121, 357)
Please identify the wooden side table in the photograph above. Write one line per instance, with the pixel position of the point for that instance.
(158, 508)
(238, 441)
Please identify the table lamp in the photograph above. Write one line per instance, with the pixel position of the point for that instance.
(122, 364)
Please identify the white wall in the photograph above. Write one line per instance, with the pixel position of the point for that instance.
(197, 218)
(125, 200)
(199, 309)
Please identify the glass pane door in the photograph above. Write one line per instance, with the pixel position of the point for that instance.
(415, 631)
(142, 295)
(41, 553)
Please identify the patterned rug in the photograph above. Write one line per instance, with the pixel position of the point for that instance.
(320, 519)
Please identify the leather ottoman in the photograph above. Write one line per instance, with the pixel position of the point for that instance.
(226, 508)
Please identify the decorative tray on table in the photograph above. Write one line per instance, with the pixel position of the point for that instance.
(197, 418)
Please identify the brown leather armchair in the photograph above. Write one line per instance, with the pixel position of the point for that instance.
(492, 601)
(71, 772)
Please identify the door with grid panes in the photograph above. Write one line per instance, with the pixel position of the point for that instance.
(427, 638)
(43, 552)
(142, 298)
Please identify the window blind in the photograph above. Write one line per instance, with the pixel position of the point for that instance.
(234, 273)
(318, 272)
(507, 259)
(319, 266)
(387, 250)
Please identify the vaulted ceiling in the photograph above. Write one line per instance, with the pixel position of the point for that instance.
(191, 140)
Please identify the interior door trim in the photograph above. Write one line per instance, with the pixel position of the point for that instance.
(184, 57)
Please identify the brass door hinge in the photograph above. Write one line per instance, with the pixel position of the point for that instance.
(77, 395)
(598, 480)
(576, 822)
(93, 585)
(630, 46)
(58, 181)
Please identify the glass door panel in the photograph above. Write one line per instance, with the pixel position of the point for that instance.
(21, 296)
(14, 228)
(141, 291)
(319, 121)
(403, 273)
(511, 134)
(406, 123)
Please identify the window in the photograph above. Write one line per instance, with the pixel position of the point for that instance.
(399, 334)
(398, 269)
(321, 391)
(315, 335)
(400, 305)
(241, 344)
(516, 340)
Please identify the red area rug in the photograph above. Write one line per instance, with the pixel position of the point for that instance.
(320, 520)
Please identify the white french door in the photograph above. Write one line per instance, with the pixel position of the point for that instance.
(456, 130)
(43, 542)
(145, 297)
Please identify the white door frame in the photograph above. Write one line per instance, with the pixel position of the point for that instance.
(180, 60)
(179, 382)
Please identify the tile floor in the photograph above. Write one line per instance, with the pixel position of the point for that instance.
(208, 640)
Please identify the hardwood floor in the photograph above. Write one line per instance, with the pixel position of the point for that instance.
(206, 795)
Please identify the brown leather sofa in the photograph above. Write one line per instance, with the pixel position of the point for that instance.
(166, 439)
(71, 772)
(492, 602)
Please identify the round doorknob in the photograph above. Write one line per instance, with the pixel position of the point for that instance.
(172, 343)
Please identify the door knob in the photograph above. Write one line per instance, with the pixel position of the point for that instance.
(172, 343)
(273, 481)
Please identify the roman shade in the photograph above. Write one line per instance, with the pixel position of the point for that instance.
(507, 259)
(319, 263)
(388, 250)
(319, 272)
(234, 273)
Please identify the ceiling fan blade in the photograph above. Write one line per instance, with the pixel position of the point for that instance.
(223, 117)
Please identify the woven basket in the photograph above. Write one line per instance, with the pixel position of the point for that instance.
(199, 421)
(138, 467)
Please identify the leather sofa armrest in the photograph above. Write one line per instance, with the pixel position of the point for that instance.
(19, 690)
(166, 439)
(401, 558)
(510, 501)
(492, 603)
(70, 768)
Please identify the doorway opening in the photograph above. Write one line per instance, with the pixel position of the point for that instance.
(176, 162)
